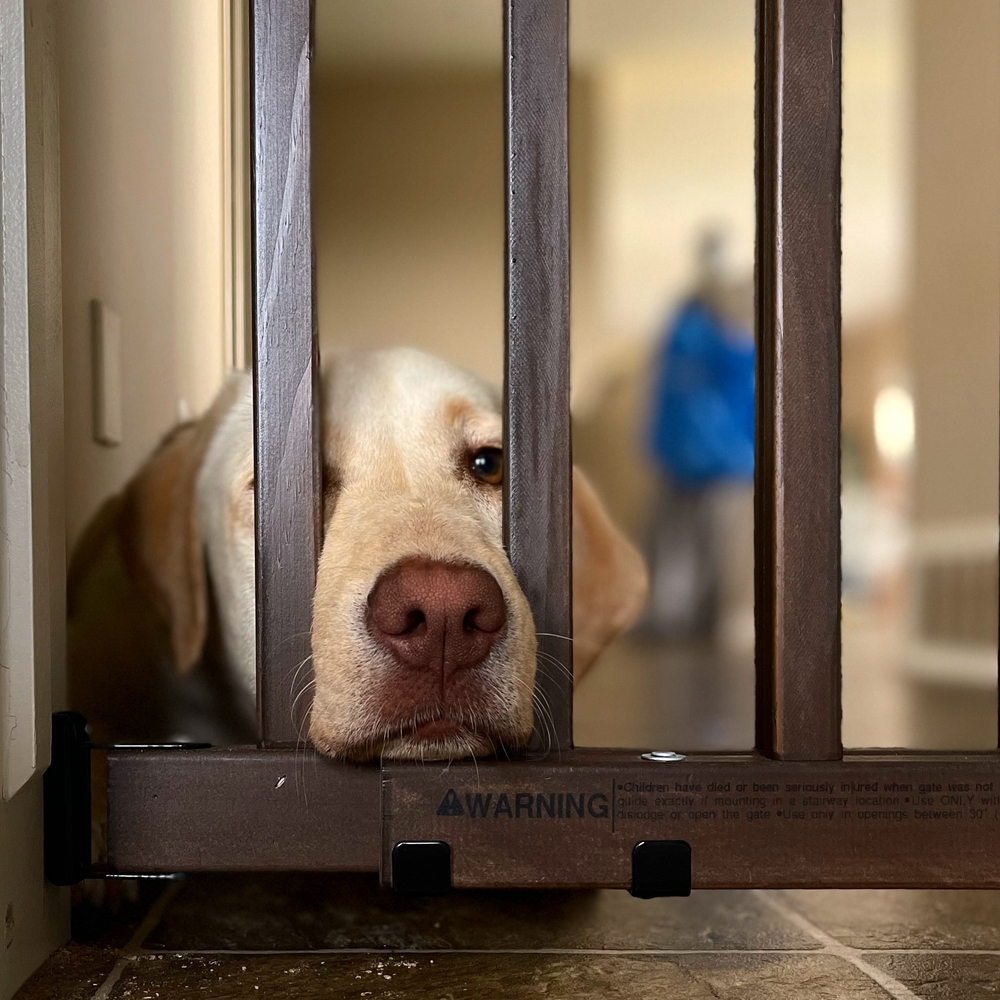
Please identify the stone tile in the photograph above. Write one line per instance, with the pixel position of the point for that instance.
(286, 912)
(71, 973)
(510, 977)
(904, 918)
(780, 977)
(944, 976)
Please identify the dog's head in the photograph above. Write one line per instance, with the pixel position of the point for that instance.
(423, 643)
(422, 639)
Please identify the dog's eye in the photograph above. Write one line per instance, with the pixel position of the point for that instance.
(487, 465)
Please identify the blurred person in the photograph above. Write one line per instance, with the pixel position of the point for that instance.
(700, 437)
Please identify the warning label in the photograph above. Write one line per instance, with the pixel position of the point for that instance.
(748, 821)
(731, 800)
(450, 805)
(526, 805)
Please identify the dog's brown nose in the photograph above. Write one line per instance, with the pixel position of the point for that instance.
(442, 616)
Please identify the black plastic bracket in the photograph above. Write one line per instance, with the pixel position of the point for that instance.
(661, 868)
(421, 868)
(66, 793)
(67, 804)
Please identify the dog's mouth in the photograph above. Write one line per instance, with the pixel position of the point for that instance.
(437, 729)
(439, 737)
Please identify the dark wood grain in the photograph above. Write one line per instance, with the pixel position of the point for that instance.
(240, 809)
(869, 820)
(872, 819)
(285, 365)
(798, 378)
(538, 480)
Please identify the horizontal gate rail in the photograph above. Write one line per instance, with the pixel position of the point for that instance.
(872, 819)
(240, 809)
(877, 820)
(797, 483)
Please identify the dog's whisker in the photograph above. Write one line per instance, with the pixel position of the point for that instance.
(305, 690)
(553, 661)
(555, 635)
(294, 635)
(297, 695)
(542, 711)
(545, 712)
(299, 669)
(300, 757)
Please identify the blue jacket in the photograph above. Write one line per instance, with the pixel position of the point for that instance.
(701, 421)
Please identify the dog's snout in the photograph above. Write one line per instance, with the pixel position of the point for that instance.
(436, 615)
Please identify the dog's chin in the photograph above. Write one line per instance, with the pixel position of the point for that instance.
(438, 739)
(446, 744)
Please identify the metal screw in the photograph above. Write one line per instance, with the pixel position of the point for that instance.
(662, 756)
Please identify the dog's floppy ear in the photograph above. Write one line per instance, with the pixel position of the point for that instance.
(610, 582)
(158, 529)
(161, 543)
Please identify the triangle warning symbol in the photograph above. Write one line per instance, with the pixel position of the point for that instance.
(450, 806)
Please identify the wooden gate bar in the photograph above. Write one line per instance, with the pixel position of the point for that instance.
(285, 365)
(900, 819)
(537, 483)
(798, 379)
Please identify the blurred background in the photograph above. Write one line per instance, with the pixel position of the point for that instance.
(408, 219)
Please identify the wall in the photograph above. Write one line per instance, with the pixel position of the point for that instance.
(142, 105)
(956, 290)
(408, 214)
(875, 200)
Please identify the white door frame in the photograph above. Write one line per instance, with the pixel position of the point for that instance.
(34, 916)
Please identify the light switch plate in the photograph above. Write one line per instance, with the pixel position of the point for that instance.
(106, 350)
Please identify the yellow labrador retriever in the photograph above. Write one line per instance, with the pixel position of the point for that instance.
(423, 643)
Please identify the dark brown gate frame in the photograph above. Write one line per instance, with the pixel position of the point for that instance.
(795, 812)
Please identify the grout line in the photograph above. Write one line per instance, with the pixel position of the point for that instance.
(104, 990)
(184, 952)
(152, 918)
(930, 951)
(133, 948)
(834, 947)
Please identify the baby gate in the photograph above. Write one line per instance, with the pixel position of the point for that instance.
(797, 811)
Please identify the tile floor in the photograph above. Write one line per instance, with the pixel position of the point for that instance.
(302, 936)
(234, 937)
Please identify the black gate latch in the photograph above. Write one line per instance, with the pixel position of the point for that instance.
(661, 868)
(421, 868)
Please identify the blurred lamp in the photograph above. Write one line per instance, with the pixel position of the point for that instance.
(895, 427)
